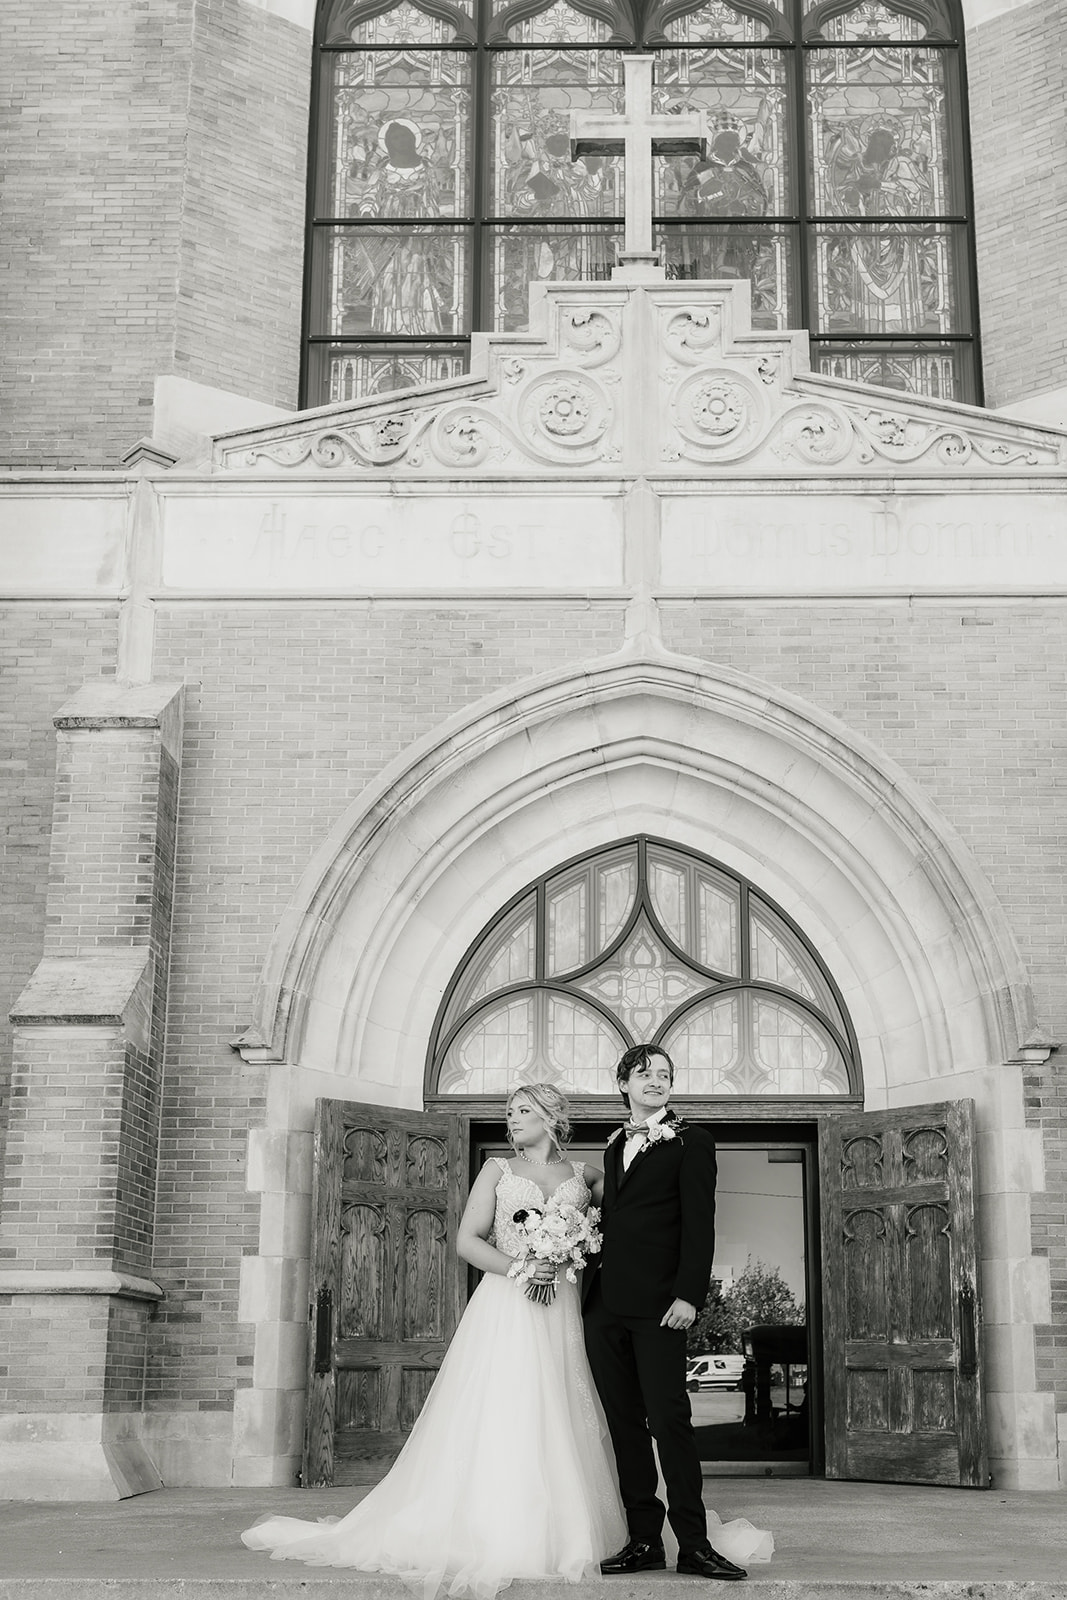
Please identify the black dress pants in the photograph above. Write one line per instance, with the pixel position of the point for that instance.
(639, 1370)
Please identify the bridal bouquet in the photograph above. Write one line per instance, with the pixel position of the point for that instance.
(564, 1236)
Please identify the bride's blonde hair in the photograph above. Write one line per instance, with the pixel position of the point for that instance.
(553, 1107)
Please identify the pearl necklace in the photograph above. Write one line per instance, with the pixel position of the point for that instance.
(533, 1161)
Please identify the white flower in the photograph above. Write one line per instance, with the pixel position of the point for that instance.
(660, 1132)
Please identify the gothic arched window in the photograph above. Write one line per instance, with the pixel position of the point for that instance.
(836, 178)
(642, 942)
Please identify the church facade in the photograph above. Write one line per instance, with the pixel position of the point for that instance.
(406, 701)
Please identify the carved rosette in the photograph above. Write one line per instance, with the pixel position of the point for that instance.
(563, 417)
(717, 414)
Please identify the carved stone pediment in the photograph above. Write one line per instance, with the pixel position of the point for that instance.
(642, 376)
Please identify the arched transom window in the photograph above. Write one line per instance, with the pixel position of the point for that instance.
(836, 178)
(643, 943)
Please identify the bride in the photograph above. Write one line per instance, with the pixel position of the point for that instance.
(507, 1472)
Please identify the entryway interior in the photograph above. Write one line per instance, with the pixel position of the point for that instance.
(768, 1422)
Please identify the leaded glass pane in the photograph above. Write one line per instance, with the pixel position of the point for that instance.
(567, 927)
(521, 256)
(405, 24)
(533, 95)
(777, 961)
(507, 958)
(616, 888)
(556, 24)
(582, 1047)
(941, 371)
(717, 21)
(668, 889)
(765, 256)
(748, 170)
(889, 278)
(793, 1054)
(706, 1048)
(871, 19)
(879, 133)
(381, 370)
(717, 924)
(492, 1050)
(409, 281)
(779, 956)
(399, 135)
(643, 983)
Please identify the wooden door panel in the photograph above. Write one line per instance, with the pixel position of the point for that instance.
(386, 1281)
(901, 1321)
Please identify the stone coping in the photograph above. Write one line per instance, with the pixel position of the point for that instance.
(125, 1285)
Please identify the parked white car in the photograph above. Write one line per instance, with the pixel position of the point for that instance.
(714, 1372)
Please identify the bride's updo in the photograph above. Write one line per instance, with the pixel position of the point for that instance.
(553, 1107)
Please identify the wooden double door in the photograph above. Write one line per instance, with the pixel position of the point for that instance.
(894, 1324)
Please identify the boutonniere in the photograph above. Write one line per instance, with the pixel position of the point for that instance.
(661, 1132)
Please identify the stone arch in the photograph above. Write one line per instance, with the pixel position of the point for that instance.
(786, 795)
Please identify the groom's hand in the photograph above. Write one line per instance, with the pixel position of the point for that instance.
(680, 1315)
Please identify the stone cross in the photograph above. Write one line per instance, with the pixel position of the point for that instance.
(638, 135)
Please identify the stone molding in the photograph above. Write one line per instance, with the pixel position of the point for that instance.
(83, 991)
(524, 746)
(110, 705)
(574, 395)
(122, 1285)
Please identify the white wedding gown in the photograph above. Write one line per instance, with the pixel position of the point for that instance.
(508, 1471)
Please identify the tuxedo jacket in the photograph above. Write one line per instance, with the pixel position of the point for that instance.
(658, 1224)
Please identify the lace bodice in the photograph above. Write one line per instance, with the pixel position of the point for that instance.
(514, 1191)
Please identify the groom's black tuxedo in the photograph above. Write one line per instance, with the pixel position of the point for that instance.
(659, 1240)
(658, 1223)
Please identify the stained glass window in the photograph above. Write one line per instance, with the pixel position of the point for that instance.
(836, 178)
(643, 942)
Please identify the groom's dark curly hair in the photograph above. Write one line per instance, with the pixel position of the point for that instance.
(638, 1055)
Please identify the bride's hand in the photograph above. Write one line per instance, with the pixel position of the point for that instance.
(544, 1272)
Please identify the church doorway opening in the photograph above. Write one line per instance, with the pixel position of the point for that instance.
(881, 1382)
(755, 1368)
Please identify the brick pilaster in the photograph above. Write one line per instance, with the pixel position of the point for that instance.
(76, 1224)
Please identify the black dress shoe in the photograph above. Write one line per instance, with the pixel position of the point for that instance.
(637, 1555)
(708, 1563)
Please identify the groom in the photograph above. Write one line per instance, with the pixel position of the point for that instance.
(659, 1239)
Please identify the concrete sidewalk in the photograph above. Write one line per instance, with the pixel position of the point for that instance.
(834, 1541)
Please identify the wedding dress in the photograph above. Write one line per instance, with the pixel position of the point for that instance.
(508, 1471)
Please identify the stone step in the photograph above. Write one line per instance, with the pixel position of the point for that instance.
(834, 1541)
(312, 1585)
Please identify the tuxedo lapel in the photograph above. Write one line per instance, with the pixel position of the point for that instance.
(618, 1173)
(645, 1152)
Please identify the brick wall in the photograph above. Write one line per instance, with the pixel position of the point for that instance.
(62, 1206)
(1017, 71)
(94, 156)
(154, 196)
(45, 653)
(1046, 1108)
(62, 1345)
(242, 246)
(289, 716)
